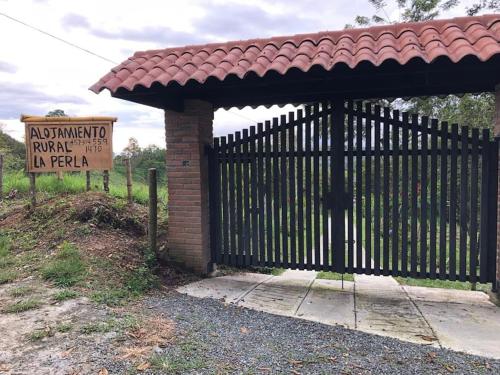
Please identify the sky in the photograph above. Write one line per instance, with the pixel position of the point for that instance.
(39, 73)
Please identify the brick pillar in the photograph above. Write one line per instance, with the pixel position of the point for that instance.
(187, 134)
(497, 134)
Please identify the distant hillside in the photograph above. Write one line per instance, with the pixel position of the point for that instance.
(14, 152)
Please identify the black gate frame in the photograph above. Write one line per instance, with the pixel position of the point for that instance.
(286, 159)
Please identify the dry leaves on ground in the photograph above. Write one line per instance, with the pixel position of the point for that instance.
(156, 331)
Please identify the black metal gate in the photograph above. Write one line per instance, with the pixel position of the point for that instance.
(356, 188)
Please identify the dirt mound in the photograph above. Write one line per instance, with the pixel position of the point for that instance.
(103, 212)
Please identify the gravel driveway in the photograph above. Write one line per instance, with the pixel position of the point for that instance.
(220, 338)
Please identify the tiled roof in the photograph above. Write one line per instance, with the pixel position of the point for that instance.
(454, 38)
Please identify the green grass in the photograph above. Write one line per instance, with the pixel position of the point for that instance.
(111, 325)
(334, 276)
(64, 295)
(64, 327)
(21, 306)
(39, 334)
(110, 296)
(7, 276)
(74, 183)
(66, 268)
(21, 291)
(176, 365)
(445, 284)
(138, 282)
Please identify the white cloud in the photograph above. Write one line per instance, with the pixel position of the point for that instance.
(39, 73)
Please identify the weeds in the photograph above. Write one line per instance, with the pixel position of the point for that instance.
(111, 325)
(40, 334)
(21, 306)
(64, 295)
(141, 280)
(110, 297)
(21, 291)
(7, 276)
(64, 327)
(334, 276)
(67, 267)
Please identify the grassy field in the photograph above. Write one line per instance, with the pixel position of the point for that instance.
(75, 183)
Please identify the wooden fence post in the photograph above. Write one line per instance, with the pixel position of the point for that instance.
(60, 175)
(1, 177)
(128, 167)
(32, 177)
(153, 210)
(87, 182)
(105, 180)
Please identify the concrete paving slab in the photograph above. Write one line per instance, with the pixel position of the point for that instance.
(327, 302)
(472, 328)
(469, 297)
(384, 308)
(279, 295)
(226, 288)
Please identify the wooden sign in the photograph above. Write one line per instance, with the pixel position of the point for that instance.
(56, 144)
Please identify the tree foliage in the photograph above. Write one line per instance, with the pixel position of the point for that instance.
(419, 10)
(141, 160)
(56, 113)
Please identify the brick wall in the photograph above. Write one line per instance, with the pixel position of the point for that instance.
(497, 134)
(187, 133)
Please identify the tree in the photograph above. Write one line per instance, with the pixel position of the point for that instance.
(56, 113)
(132, 149)
(419, 10)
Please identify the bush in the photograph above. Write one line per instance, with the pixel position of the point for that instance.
(67, 267)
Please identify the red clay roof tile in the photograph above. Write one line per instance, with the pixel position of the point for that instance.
(453, 38)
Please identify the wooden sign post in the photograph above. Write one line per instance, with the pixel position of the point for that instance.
(66, 144)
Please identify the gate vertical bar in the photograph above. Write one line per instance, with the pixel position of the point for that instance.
(269, 194)
(386, 189)
(232, 201)
(376, 194)
(284, 195)
(325, 243)
(300, 189)
(307, 160)
(452, 269)
(404, 195)
(350, 185)
(433, 208)
(291, 183)
(261, 194)
(338, 179)
(359, 187)
(414, 196)
(276, 194)
(316, 191)
(239, 201)
(443, 202)
(225, 201)
(423, 200)
(254, 206)
(463, 202)
(246, 201)
(395, 192)
(368, 192)
(473, 206)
